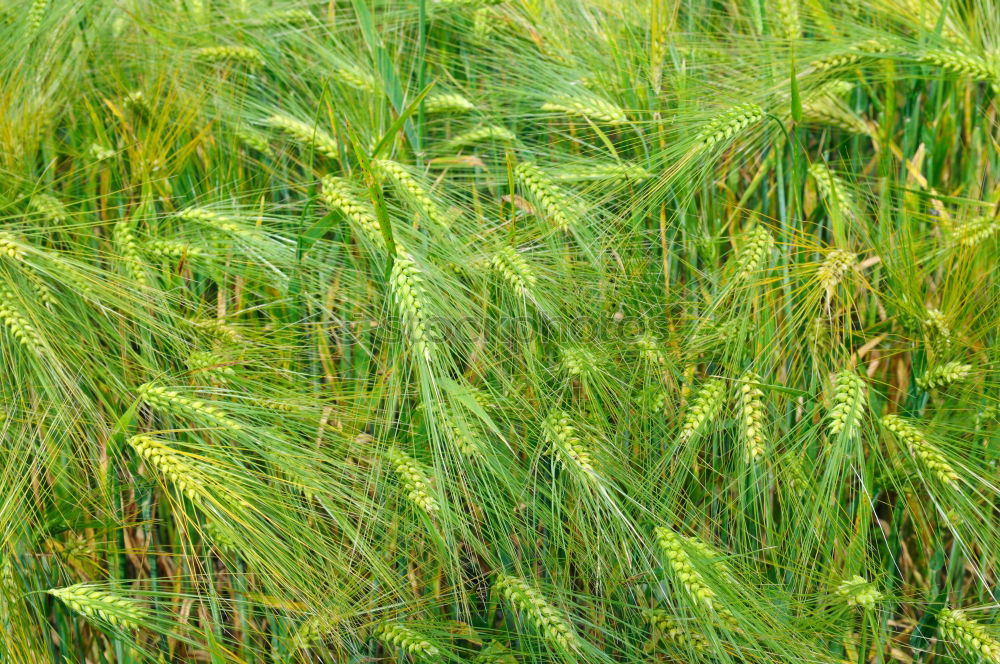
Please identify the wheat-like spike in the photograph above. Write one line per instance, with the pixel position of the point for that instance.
(410, 640)
(670, 629)
(848, 403)
(554, 202)
(11, 246)
(215, 220)
(833, 269)
(447, 102)
(546, 618)
(483, 24)
(244, 55)
(137, 103)
(16, 322)
(284, 18)
(407, 285)
(487, 134)
(964, 64)
(857, 591)
(924, 451)
(42, 290)
(561, 436)
(650, 349)
(944, 375)
(49, 207)
(36, 13)
(974, 231)
(751, 413)
(128, 249)
(171, 249)
(410, 188)
(968, 635)
(171, 465)
(834, 191)
(175, 403)
(754, 256)
(254, 141)
(305, 134)
(219, 329)
(621, 172)
(515, 270)
(855, 54)
(578, 361)
(100, 153)
(466, 444)
(357, 79)
(414, 481)
(825, 107)
(674, 547)
(587, 106)
(93, 602)
(337, 195)
(705, 407)
(207, 362)
(727, 124)
(788, 18)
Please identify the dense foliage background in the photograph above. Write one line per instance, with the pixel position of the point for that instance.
(526, 331)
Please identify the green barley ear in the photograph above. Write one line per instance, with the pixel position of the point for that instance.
(16, 323)
(447, 102)
(287, 17)
(587, 106)
(968, 635)
(788, 18)
(919, 447)
(727, 125)
(215, 221)
(171, 249)
(853, 55)
(833, 269)
(411, 189)
(171, 465)
(826, 107)
(36, 13)
(754, 256)
(669, 629)
(964, 64)
(128, 250)
(675, 548)
(175, 403)
(510, 265)
(578, 360)
(487, 134)
(137, 103)
(834, 191)
(209, 364)
(407, 286)
(651, 350)
(705, 408)
(49, 208)
(555, 203)
(307, 136)
(11, 246)
(849, 397)
(938, 331)
(465, 441)
(944, 375)
(357, 79)
(546, 618)
(408, 639)
(974, 231)
(93, 602)
(413, 479)
(856, 591)
(337, 194)
(242, 55)
(99, 152)
(620, 173)
(750, 407)
(254, 141)
(561, 436)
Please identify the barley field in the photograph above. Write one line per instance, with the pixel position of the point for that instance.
(499, 331)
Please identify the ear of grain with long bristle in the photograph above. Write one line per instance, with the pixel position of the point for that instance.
(93, 602)
(551, 622)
